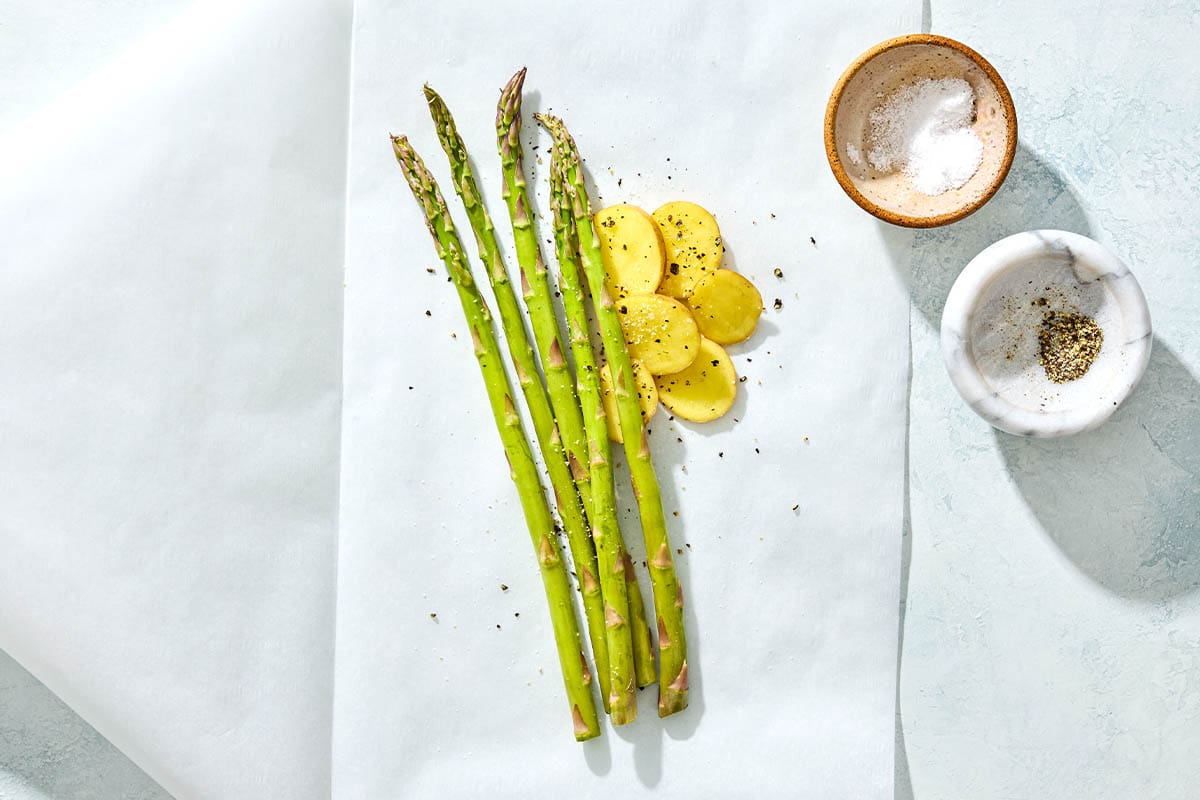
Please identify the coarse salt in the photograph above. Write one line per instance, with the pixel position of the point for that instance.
(855, 155)
(924, 130)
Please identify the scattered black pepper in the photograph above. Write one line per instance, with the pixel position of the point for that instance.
(778, 272)
(429, 270)
(432, 615)
(427, 313)
(814, 241)
(796, 507)
(503, 588)
(778, 304)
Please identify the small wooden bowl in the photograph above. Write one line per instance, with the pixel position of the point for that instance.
(878, 73)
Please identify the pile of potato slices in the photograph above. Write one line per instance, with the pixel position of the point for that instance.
(678, 308)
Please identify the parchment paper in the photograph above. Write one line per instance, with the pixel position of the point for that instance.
(789, 509)
(171, 186)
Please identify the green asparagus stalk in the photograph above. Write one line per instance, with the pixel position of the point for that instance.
(604, 510)
(589, 464)
(536, 287)
(523, 470)
(668, 594)
(570, 507)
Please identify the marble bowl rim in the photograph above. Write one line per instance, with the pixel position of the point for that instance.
(835, 160)
(963, 301)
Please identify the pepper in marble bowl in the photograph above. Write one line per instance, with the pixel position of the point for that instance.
(1045, 333)
(920, 131)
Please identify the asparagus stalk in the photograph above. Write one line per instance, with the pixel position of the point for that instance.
(668, 594)
(536, 287)
(570, 507)
(604, 509)
(589, 463)
(523, 470)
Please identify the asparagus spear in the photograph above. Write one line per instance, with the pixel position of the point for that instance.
(536, 287)
(595, 483)
(570, 507)
(668, 594)
(523, 470)
(604, 509)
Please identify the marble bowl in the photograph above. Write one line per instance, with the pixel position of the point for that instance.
(990, 332)
(878, 73)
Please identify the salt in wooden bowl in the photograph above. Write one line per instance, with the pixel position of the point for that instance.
(878, 73)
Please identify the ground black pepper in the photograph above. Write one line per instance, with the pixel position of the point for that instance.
(1068, 344)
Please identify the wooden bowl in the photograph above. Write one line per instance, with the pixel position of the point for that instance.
(878, 73)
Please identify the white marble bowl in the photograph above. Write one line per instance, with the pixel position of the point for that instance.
(991, 321)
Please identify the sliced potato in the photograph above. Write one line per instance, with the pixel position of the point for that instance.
(693, 243)
(727, 306)
(647, 398)
(632, 248)
(703, 391)
(661, 332)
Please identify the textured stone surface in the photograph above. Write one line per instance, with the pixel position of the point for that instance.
(48, 753)
(1052, 635)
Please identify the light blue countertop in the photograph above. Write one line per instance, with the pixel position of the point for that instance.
(1051, 635)
(1051, 641)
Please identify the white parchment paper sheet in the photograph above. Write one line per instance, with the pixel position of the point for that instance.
(792, 613)
(171, 202)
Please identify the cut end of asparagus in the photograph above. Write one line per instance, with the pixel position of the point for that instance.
(674, 698)
(583, 731)
(624, 709)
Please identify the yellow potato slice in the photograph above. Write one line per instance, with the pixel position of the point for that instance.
(693, 243)
(632, 248)
(727, 307)
(703, 391)
(647, 398)
(661, 332)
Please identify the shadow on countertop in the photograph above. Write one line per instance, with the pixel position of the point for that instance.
(1121, 502)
